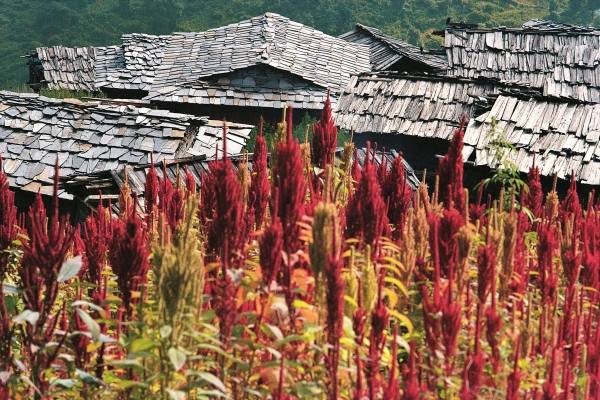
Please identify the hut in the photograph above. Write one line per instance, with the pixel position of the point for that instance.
(388, 53)
(416, 115)
(36, 132)
(557, 59)
(562, 138)
(236, 72)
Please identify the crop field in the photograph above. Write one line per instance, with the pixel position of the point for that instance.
(299, 275)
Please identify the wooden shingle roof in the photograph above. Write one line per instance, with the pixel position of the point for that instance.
(140, 55)
(35, 131)
(561, 60)
(563, 137)
(257, 86)
(408, 105)
(269, 39)
(386, 50)
(69, 68)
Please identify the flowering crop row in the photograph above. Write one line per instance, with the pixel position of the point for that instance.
(308, 277)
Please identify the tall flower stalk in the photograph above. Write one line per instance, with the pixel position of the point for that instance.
(44, 251)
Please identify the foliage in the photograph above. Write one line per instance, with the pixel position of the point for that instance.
(25, 25)
(506, 174)
(189, 299)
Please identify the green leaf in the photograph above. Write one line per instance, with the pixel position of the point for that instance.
(27, 316)
(273, 330)
(141, 344)
(165, 331)
(289, 339)
(177, 357)
(213, 380)
(92, 325)
(176, 394)
(64, 383)
(92, 306)
(69, 269)
(89, 379)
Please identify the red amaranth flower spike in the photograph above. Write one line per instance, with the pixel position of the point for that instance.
(270, 246)
(8, 221)
(535, 196)
(366, 213)
(228, 220)
(379, 322)
(324, 140)
(190, 182)
(258, 197)
(8, 233)
(392, 391)
(398, 195)
(486, 261)
(514, 379)
(570, 206)
(95, 235)
(450, 224)
(412, 390)
(450, 171)
(128, 254)
(151, 193)
(49, 240)
(291, 188)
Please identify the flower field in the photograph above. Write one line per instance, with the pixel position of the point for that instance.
(309, 277)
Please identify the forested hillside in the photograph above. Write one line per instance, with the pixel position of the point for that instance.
(26, 24)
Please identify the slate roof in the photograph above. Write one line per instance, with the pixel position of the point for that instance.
(209, 67)
(134, 67)
(258, 86)
(562, 60)
(69, 68)
(422, 106)
(269, 39)
(386, 50)
(564, 137)
(88, 137)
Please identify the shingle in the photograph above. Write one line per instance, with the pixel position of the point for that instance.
(85, 142)
(562, 60)
(563, 144)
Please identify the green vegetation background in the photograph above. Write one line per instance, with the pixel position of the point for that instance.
(26, 24)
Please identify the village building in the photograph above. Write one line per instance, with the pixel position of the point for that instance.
(549, 71)
(237, 72)
(560, 138)
(388, 53)
(559, 60)
(37, 132)
(555, 125)
(415, 115)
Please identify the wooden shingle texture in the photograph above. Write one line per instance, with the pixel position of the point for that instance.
(562, 137)
(430, 107)
(258, 86)
(269, 41)
(35, 131)
(386, 50)
(561, 60)
(69, 68)
(140, 55)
